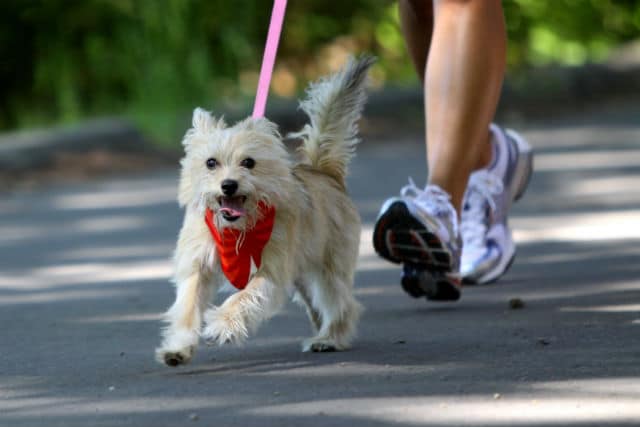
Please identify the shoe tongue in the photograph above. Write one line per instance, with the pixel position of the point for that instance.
(232, 206)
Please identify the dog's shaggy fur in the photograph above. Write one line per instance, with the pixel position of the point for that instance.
(314, 243)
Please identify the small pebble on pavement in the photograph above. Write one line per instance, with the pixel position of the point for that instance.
(516, 303)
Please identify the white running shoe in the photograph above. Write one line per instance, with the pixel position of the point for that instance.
(420, 230)
(487, 244)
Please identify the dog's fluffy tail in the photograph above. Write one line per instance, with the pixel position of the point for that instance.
(334, 105)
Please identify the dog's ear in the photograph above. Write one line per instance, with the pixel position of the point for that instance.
(202, 123)
(202, 120)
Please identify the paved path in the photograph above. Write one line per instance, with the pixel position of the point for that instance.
(83, 280)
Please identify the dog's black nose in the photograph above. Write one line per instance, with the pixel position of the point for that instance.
(229, 187)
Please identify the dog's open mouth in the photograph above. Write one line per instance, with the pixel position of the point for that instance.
(232, 208)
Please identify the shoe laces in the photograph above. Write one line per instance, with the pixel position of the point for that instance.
(433, 200)
(483, 186)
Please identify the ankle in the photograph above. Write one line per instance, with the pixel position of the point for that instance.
(486, 153)
(454, 189)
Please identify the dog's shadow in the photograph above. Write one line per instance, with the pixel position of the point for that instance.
(253, 366)
(279, 358)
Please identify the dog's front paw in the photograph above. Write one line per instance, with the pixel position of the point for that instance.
(223, 326)
(178, 347)
(320, 345)
(173, 357)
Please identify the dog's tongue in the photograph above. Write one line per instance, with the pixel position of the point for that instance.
(232, 206)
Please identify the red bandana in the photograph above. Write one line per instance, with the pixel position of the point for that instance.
(236, 261)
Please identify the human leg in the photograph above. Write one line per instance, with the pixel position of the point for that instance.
(417, 22)
(463, 79)
(462, 60)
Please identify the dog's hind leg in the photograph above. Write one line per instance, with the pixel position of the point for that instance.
(303, 298)
(332, 297)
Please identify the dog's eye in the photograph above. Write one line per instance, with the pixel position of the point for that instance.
(212, 163)
(248, 163)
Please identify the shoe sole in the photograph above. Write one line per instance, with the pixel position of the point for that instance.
(489, 278)
(400, 238)
(522, 176)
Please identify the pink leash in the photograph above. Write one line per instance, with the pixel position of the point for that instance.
(269, 58)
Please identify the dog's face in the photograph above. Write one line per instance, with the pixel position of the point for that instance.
(231, 169)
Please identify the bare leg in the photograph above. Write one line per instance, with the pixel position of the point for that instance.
(463, 78)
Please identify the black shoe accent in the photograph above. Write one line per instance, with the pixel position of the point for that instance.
(444, 290)
(417, 282)
(411, 281)
(469, 281)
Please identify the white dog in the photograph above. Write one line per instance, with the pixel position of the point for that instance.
(269, 224)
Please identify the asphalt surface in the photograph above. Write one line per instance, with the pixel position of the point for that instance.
(83, 281)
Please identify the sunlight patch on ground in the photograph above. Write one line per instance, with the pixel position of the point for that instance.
(108, 223)
(93, 226)
(470, 410)
(624, 387)
(582, 227)
(11, 233)
(621, 185)
(140, 317)
(376, 290)
(586, 160)
(83, 273)
(69, 408)
(111, 252)
(116, 198)
(61, 295)
(572, 293)
(620, 308)
(582, 136)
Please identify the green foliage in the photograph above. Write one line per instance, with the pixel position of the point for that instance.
(154, 60)
(569, 32)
